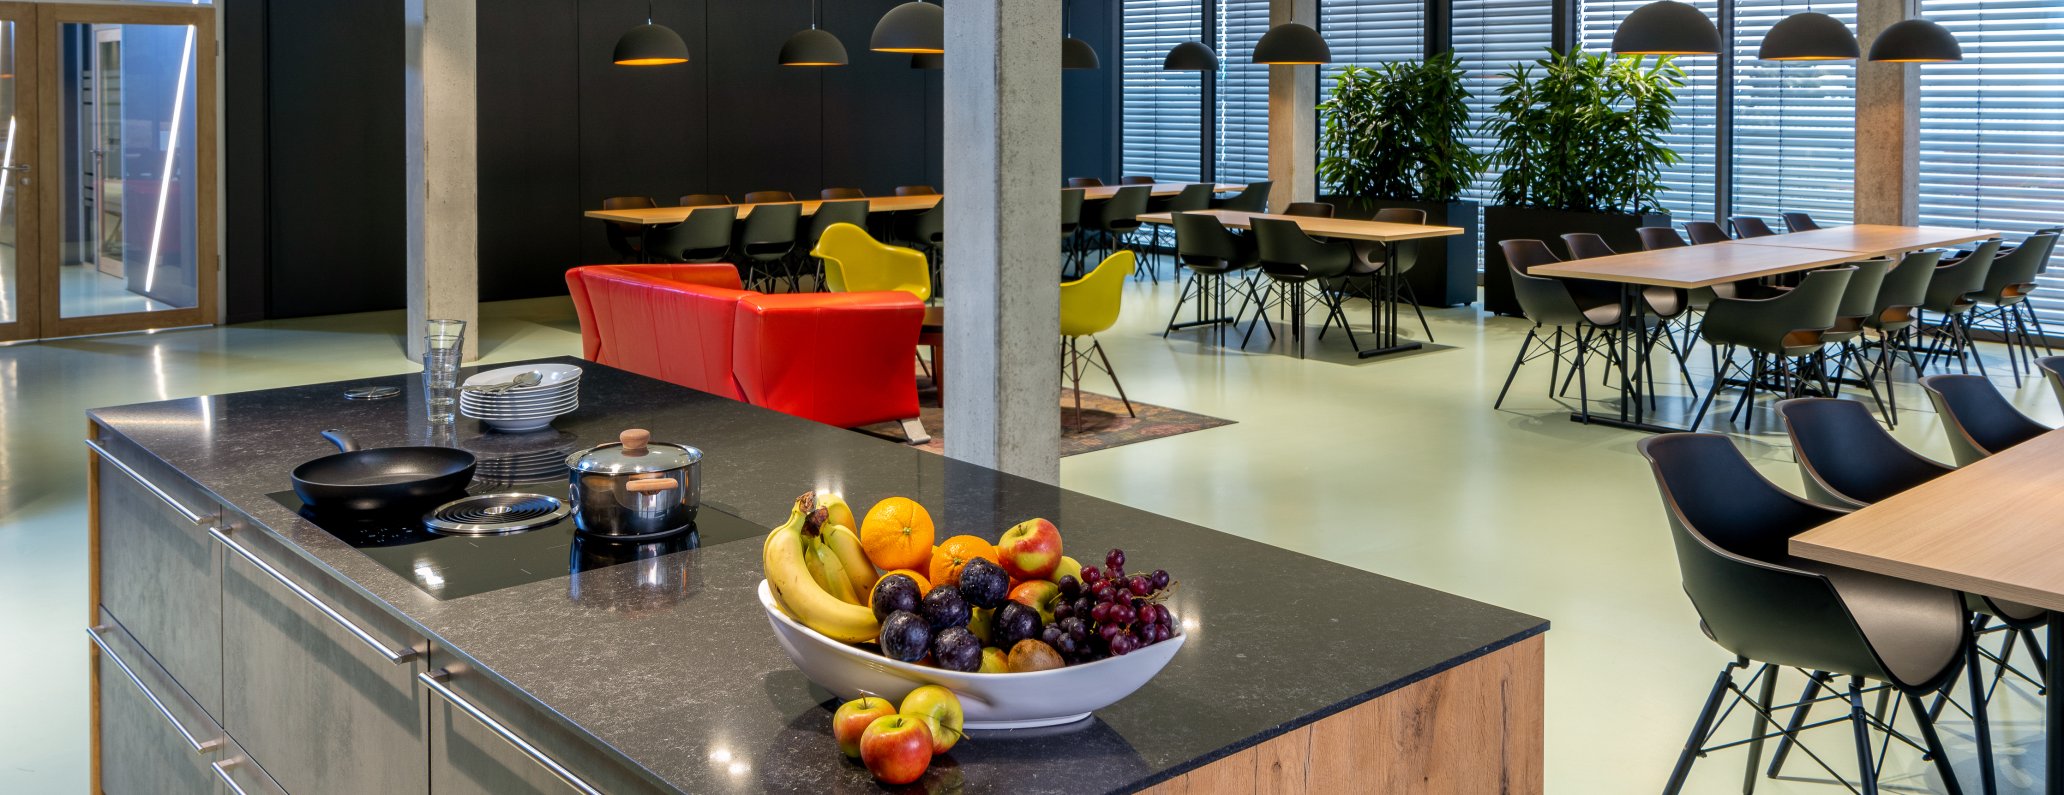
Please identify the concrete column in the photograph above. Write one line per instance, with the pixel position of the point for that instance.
(1293, 127)
(1888, 125)
(443, 177)
(1003, 198)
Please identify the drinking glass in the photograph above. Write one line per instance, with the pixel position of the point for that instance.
(441, 327)
(441, 375)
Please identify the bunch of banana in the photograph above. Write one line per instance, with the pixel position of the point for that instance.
(811, 577)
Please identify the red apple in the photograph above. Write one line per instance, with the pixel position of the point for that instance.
(942, 707)
(896, 748)
(852, 719)
(1031, 550)
(1039, 595)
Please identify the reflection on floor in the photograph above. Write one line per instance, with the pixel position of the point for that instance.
(1396, 465)
(86, 292)
(10, 291)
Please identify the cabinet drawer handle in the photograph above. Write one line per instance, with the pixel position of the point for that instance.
(222, 772)
(153, 488)
(200, 746)
(314, 601)
(435, 681)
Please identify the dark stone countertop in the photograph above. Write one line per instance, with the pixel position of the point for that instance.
(669, 677)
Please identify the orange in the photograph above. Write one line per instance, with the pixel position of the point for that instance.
(924, 586)
(897, 534)
(954, 554)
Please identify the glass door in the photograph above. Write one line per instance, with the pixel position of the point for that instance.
(18, 228)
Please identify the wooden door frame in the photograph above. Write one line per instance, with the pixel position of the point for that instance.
(49, 21)
(28, 229)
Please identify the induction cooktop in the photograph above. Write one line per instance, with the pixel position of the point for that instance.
(450, 565)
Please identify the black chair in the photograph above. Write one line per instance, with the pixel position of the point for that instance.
(1730, 528)
(1160, 237)
(925, 230)
(1578, 330)
(1977, 418)
(2004, 299)
(768, 197)
(1655, 238)
(1846, 458)
(847, 211)
(705, 236)
(835, 194)
(1859, 302)
(1138, 180)
(1404, 256)
(1085, 182)
(1904, 288)
(1114, 221)
(1703, 232)
(702, 200)
(916, 190)
(1666, 303)
(1212, 253)
(1252, 199)
(1783, 336)
(1295, 262)
(627, 239)
(1071, 230)
(767, 242)
(1949, 295)
(1309, 209)
(2052, 368)
(1749, 226)
(1799, 222)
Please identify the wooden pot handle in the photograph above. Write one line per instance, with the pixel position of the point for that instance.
(651, 484)
(635, 440)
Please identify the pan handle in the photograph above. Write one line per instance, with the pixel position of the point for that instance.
(341, 439)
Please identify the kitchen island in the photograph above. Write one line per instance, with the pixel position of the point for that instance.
(237, 641)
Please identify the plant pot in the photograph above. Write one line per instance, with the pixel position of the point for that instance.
(1446, 273)
(1503, 222)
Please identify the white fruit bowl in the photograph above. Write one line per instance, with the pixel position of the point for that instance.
(990, 701)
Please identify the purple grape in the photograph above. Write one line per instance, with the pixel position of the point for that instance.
(1101, 613)
(1109, 631)
(1153, 614)
(1092, 576)
(1067, 645)
(1101, 591)
(1074, 626)
(1123, 645)
(1115, 559)
(1140, 584)
(1063, 610)
(1160, 579)
(1052, 635)
(1070, 587)
(1121, 614)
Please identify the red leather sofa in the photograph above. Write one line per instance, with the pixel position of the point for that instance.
(842, 359)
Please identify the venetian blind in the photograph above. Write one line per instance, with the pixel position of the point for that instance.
(1489, 37)
(1794, 122)
(1163, 111)
(1689, 189)
(1242, 121)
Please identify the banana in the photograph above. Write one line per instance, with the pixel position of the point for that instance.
(782, 556)
(836, 581)
(846, 544)
(836, 511)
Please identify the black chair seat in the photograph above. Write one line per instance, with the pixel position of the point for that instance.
(1916, 630)
(2015, 614)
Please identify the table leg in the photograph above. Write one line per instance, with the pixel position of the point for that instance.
(1634, 357)
(2053, 709)
(1383, 323)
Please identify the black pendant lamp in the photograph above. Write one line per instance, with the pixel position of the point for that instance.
(928, 60)
(815, 46)
(1808, 36)
(913, 27)
(1191, 56)
(650, 45)
(1292, 44)
(1075, 53)
(1916, 41)
(1666, 27)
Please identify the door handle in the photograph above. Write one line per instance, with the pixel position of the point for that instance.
(191, 515)
(197, 744)
(435, 681)
(23, 168)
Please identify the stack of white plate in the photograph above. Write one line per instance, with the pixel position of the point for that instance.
(526, 408)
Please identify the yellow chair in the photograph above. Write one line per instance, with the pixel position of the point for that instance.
(856, 263)
(1090, 305)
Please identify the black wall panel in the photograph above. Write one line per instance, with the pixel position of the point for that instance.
(643, 130)
(874, 109)
(530, 188)
(764, 119)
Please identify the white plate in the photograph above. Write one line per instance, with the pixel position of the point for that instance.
(511, 414)
(534, 408)
(517, 426)
(514, 398)
(990, 701)
(548, 375)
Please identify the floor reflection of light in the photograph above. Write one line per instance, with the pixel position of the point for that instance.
(740, 768)
(150, 271)
(720, 755)
(157, 359)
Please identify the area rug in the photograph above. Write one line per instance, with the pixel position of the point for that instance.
(1102, 425)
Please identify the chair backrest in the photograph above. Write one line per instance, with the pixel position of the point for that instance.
(2013, 274)
(1845, 457)
(1202, 241)
(855, 262)
(628, 203)
(1703, 232)
(1252, 199)
(1954, 282)
(1404, 255)
(916, 190)
(1799, 222)
(763, 196)
(1401, 215)
(928, 226)
(702, 200)
(1906, 286)
(771, 225)
(1730, 526)
(1659, 237)
(1089, 305)
(1977, 418)
(1585, 245)
(2053, 370)
(1860, 298)
(1749, 226)
(849, 211)
(1137, 180)
(1071, 209)
(1192, 198)
(624, 236)
(1524, 253)
(1121, 212)
(841, 193)
(1309, 209)
(1818, 297)
(704, 236)
(1285, 249)
(1546, 301)
(1085, 182)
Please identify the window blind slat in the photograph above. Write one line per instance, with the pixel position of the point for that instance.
(1163, 115)
(1242, 123)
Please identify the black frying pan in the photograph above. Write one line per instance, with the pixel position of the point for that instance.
(381, 478)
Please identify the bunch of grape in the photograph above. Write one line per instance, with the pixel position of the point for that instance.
(1108, 612)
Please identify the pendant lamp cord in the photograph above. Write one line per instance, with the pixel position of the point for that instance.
(648, 12)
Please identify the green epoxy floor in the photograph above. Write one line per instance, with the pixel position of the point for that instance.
(1396, 465)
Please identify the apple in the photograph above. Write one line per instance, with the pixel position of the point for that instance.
(993, 661)
(982, 622)
(1069, 567)
(939, 704)
(896, 748)
(1039, 595)
(1031, 550)
(852, 719)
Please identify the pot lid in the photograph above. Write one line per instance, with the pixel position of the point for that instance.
(633, 453)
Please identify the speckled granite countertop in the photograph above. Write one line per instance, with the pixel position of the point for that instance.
(668, 676)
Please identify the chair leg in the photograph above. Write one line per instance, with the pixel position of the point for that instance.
(1182, 297)
(1981, 724)
(1098, 348)
(1516, 362)
(1859, 721)
(1699, 730)
(1934, 743)
(1814, 682)
(1759, 725)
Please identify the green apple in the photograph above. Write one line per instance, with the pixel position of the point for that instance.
(1070, 567)
(993, 661)
(982, 622)
(943, 708)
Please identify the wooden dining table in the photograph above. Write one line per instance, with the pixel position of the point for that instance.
(1691, 267)
(662, 216)
(1993, 528)
(1371, 238)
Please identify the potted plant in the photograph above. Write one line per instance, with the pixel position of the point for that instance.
(1580, 149)
(1393, 137)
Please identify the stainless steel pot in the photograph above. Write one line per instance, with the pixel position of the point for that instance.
(635, 488)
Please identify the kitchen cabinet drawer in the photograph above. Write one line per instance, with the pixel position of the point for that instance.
(242, 774)
(160, 573)
(319, 686)
(152, 737)
(486, 740)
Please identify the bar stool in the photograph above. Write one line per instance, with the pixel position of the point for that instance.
(627, 239)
